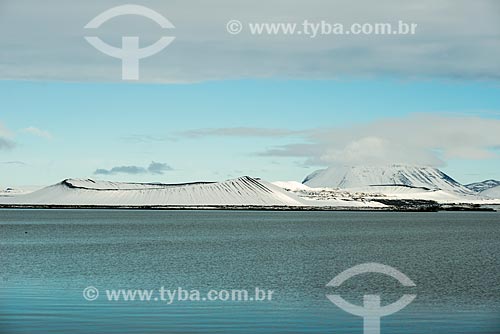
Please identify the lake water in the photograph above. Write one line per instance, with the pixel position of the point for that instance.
(49, 257)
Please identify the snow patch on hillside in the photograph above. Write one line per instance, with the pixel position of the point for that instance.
(291, 185)
(492, 192)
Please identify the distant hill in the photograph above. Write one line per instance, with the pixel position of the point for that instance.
(482, 186)
(492, 192)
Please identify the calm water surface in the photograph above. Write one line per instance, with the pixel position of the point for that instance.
(48, 257)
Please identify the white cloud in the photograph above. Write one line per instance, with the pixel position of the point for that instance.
(5, 141)
(423, 139)
(377, 151)
(239, 132)
(15, 163)
(4, 132)
(158, 168)
(6, 144)
(37, 132)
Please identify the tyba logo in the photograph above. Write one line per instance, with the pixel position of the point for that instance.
(129, 53)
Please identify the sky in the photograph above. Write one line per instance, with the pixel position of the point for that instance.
(214, 106)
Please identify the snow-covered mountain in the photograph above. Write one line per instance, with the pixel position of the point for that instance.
(482, 186)
(427, 178)
(245, 191)
(491, 192)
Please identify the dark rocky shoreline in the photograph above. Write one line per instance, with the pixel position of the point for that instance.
(392, 205)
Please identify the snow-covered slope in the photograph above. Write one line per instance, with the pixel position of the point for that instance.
(291, 185)
(240, 191)
(8, 192)
(361, 177)
(368, 196)
(419, 193)
(482, 186)
(492, 192)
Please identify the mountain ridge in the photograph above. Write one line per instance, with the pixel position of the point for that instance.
(483, 185)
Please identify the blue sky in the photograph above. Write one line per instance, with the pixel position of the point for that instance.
(88, 126)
